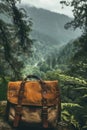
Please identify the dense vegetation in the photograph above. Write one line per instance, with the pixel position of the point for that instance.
(14, 37)
(68, 66)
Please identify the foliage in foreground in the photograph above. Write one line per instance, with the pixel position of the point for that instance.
(73, 98)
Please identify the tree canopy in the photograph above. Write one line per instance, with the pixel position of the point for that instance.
(80, 17)
(14, 35)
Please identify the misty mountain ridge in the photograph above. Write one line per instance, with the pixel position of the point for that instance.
(50, 24)
(48, 31)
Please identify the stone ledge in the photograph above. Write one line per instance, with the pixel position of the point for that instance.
(3, 103)
(4, 125)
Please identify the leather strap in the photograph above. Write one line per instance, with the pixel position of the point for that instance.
(44, 113)
(44, 106)
(59, 105)
(18, 108)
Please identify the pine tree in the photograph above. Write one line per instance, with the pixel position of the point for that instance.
(14, 36)
(80, 17)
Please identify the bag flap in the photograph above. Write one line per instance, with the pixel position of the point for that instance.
(33, 93)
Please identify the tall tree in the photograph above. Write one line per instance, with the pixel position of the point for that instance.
(80, 17)
(14, 35)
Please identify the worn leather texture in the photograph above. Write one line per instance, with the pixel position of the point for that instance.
(33, 115)
(32, 93)
(32, 105)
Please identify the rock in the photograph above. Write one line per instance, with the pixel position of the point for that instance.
(4, 125)
(3, 103)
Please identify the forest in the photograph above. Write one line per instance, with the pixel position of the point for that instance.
(68, 64)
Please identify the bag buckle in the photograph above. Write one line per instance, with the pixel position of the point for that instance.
(18, 109)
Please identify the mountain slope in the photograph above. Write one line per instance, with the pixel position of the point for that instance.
(48, 32)
(51, 24)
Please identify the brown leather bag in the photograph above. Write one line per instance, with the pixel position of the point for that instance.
(34, 102)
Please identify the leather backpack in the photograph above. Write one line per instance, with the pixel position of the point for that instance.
(35, 103)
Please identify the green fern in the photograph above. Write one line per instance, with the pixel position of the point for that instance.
(69, 116)
(63, 105)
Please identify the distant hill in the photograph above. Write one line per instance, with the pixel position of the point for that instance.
(51, 25)
(48, 32)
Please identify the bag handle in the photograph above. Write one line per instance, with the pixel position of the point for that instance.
(43, 84)
(21, 90)
(33, 76)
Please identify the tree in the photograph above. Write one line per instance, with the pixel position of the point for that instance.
(80, 17)
(14, 36)
(78, 66)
